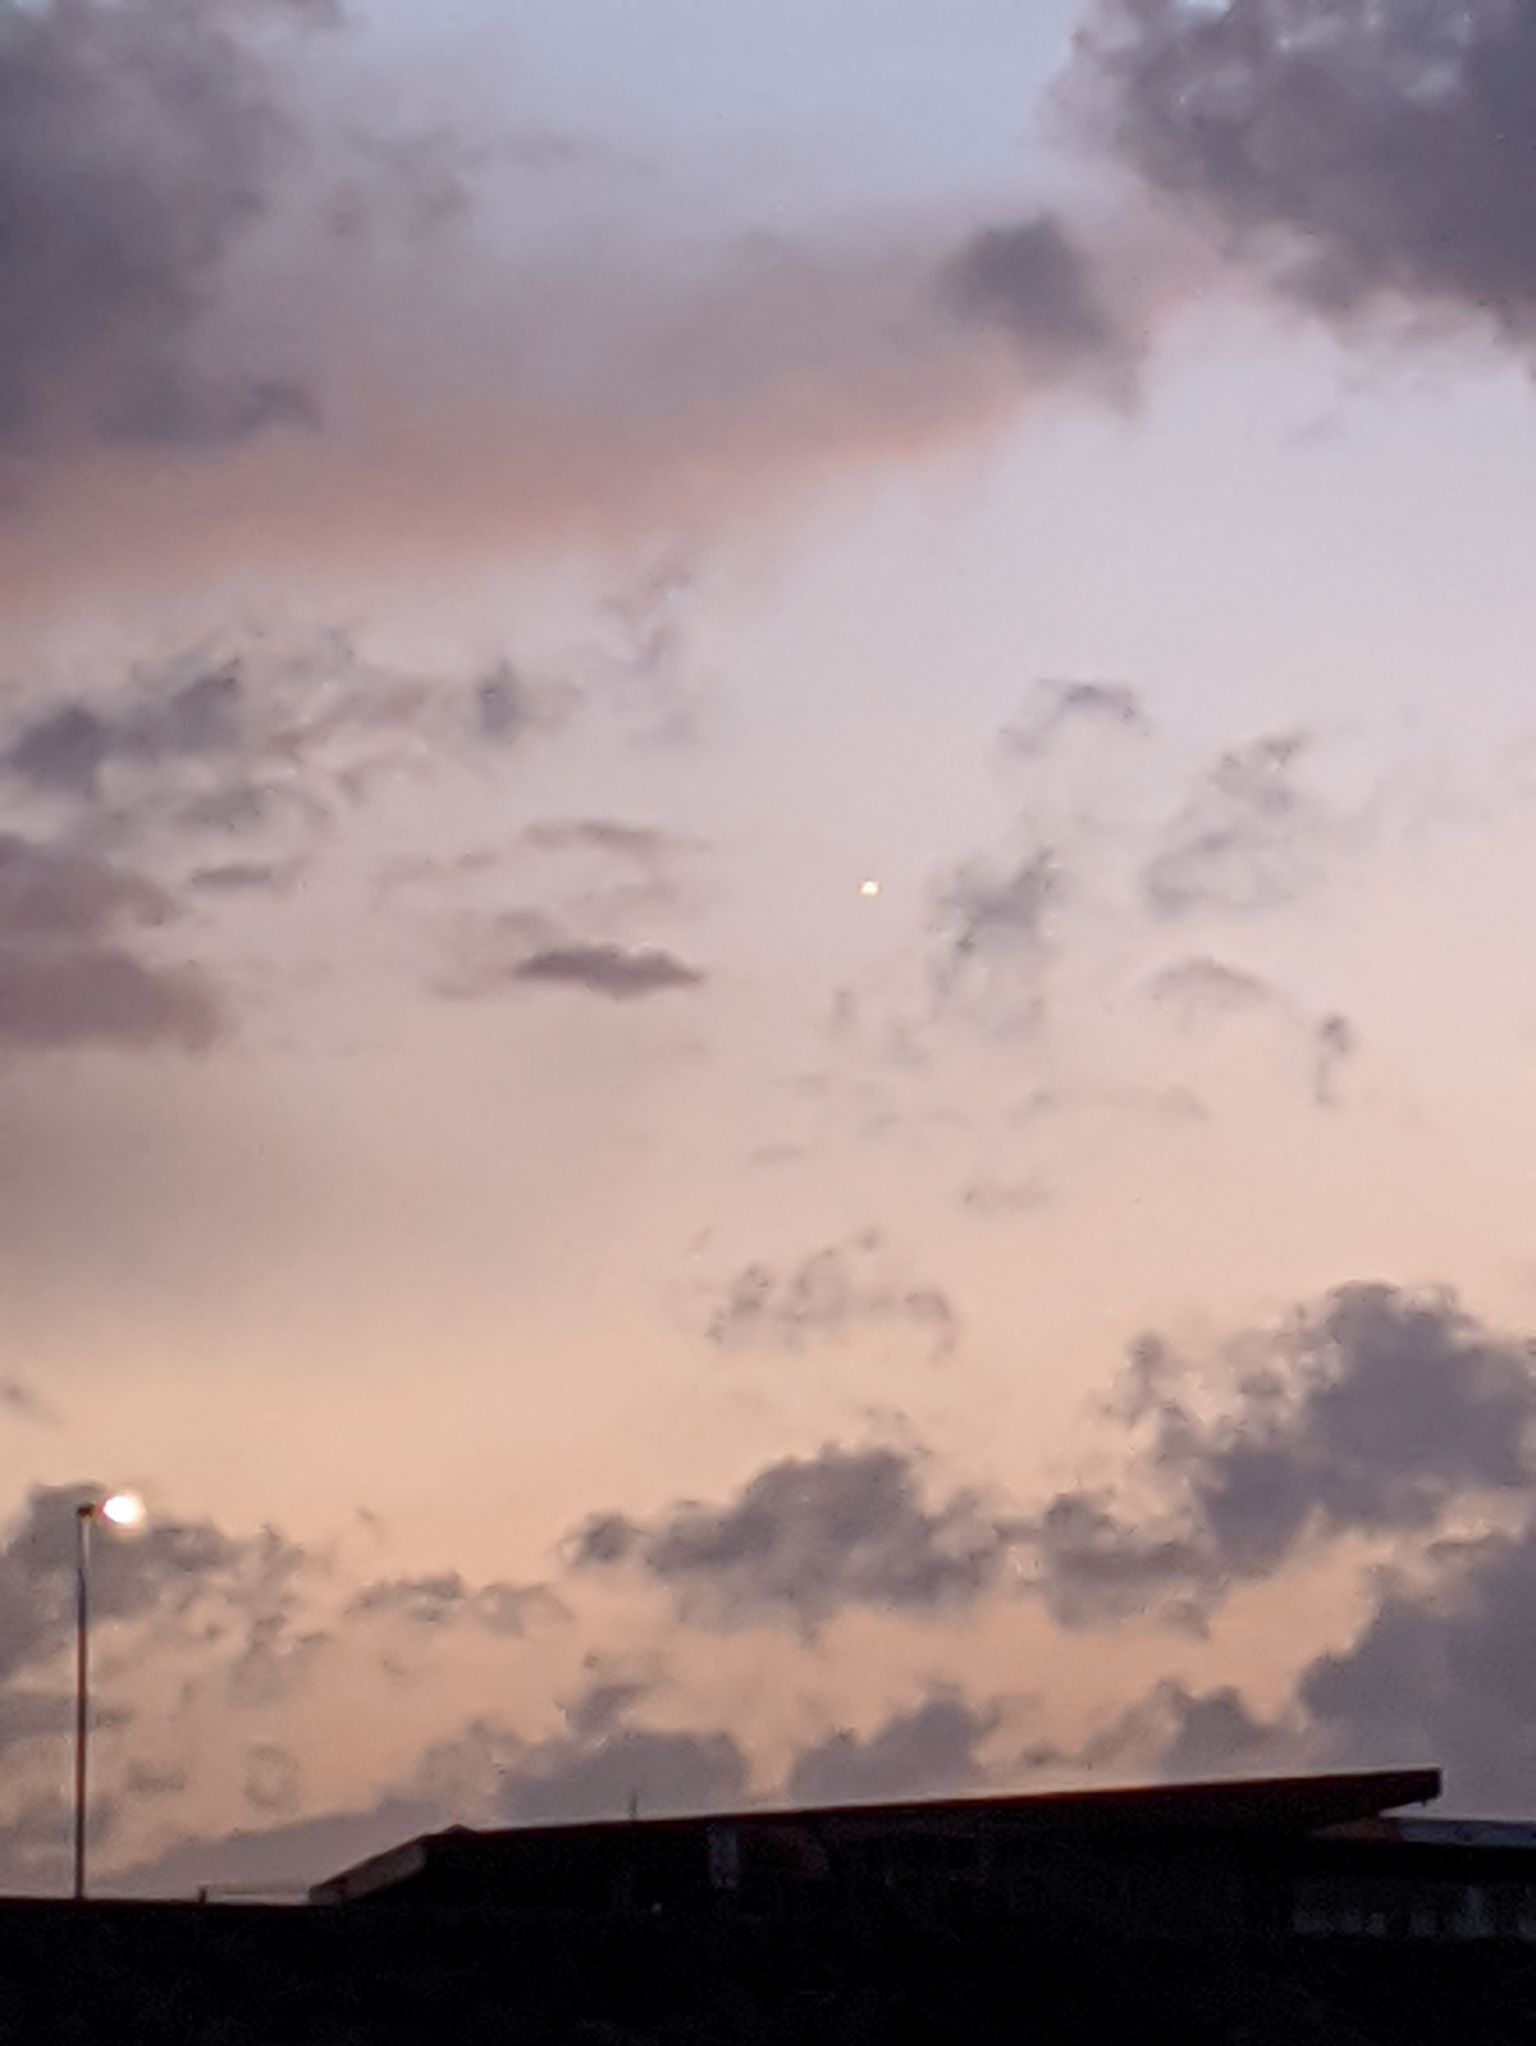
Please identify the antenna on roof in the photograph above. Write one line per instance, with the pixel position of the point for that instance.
(634, 1804)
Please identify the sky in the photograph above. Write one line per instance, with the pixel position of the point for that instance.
(764, 1024)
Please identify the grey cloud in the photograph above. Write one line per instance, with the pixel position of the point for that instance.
(1249, 838)
(807, 1538)
(66, 750)
(283, 1859)
(1196, 987)
(1444, 1669)
(1202, 988)
(1057, 706)
(1375, 1413)
(612, 971)
(932, 1751)
(1034, 283)
(1335, 1044)
(448, 1599)
(140, 141)
(629, 1768)
(242, 877)
(55, 1001)
(161, 1568)
(48, 893)
(644, 844)
(1370, 153)
(995, 937)
(829, 1295)
(22, 1400)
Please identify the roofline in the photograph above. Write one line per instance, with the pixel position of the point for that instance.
(1374, 1792)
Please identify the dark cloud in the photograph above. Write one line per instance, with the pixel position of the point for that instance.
(448, 1599)
(611, 971)
(1058, 706)
(1249, 838)
(138, 145)
(932, 1751)
(1375, 1413)
(808, 1538)
(1366, 152)
(67, 749)
(829, 1295)
(159, 1569)
(22, 1400)
(628, 1769)
(1034, 283)
(1445, 1669)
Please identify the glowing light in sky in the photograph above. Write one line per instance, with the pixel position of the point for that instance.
(123, 1509)
(869, 889)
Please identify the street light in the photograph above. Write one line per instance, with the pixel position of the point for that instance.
(124, 1510)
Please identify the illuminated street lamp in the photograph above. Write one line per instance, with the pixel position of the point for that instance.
(121, 1510)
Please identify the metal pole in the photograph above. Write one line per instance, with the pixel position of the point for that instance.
(83, 1517)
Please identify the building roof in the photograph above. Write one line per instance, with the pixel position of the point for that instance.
(1276, 1805)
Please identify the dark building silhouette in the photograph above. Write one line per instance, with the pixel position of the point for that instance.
(1315, 1912)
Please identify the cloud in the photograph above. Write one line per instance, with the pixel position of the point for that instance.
(65, 978)
(139, 147)
(808, 1538)
(1199, 989)
(627, 1769)
(617, 974)
(643, 844)
(163, 1566)
(67, 748)
(1442, 1671)
(829, 1295)
(995, 934)
(1249, 838)
(934, 1750)
(1036, 284)
(1374, 1413)
(1057, 706)
(448, 1599)
(1364, 154)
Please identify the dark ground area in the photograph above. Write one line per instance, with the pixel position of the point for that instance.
(167, 1975)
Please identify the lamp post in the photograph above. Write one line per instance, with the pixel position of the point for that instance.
(124, 1510)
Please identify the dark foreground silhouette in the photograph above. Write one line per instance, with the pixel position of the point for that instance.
(180, 1975)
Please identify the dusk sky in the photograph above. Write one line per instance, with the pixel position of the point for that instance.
(766, 1018)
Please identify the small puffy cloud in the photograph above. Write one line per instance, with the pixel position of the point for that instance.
(610, 971)
(1058, 707)
(829, 1295)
